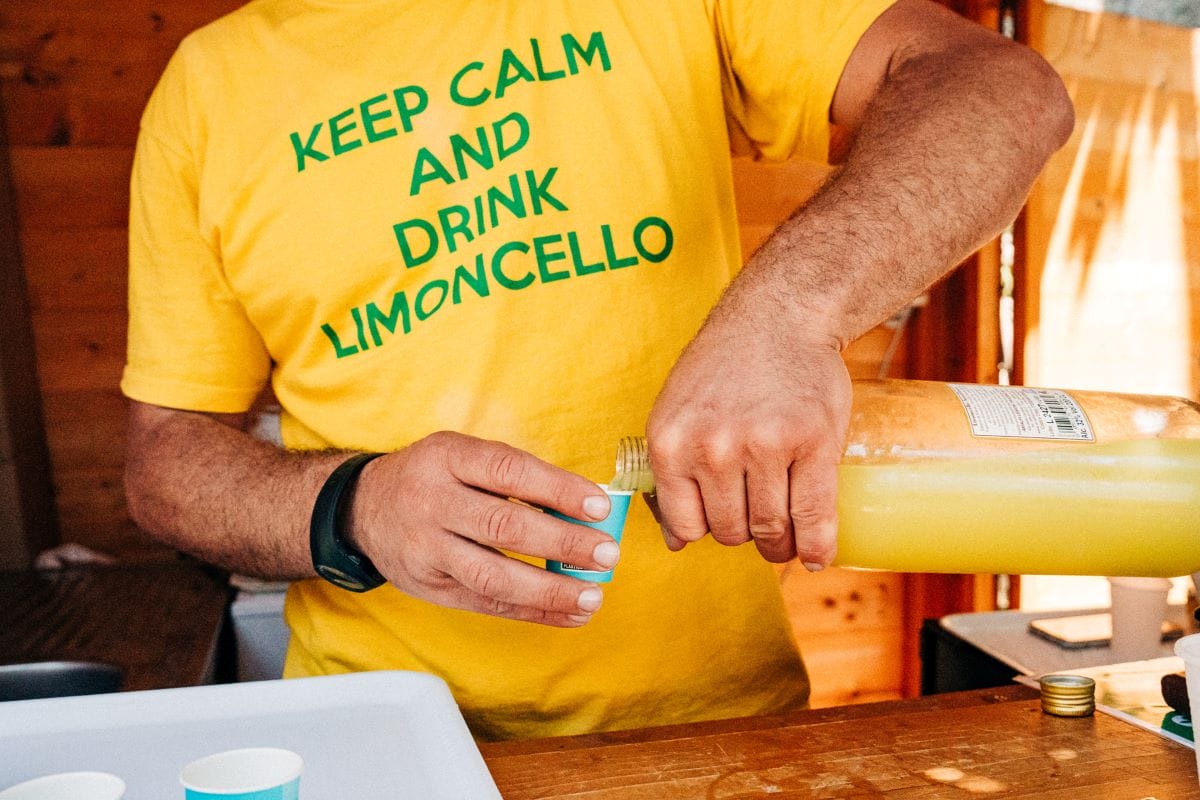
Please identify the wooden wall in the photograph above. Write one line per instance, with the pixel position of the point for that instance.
(1113, 285)
(74, 76)
(28, 521)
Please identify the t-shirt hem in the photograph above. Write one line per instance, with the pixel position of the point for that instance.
(188, 396)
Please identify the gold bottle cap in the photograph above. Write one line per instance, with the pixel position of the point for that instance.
(1068, 695)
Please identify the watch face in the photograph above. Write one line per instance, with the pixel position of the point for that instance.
(336, 576)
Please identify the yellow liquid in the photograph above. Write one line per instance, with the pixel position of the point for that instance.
(636, 481)
(1127, 508)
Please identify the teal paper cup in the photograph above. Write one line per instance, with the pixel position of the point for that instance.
(252, 773)
(613, 525)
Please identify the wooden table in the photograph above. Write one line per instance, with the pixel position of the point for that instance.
(979, 744)
(160, 623)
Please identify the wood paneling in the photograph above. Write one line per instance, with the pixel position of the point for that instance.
(62, 188)
(79, 74)
(79, 350)
(27, 519)
(74, 77)
(768, 192)
(101, 106)
(75, 437)
(848, 624)
(81, 269)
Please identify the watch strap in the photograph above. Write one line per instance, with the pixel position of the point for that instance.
(333, 557)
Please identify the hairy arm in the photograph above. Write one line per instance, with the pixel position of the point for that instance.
(201, 484)
(951, 124)
(432, 517)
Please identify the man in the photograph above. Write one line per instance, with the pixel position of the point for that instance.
(476, 237)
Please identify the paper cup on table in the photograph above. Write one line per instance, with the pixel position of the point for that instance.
(1138, 606)
(68, 786)
(1188, 648)
(252, 773)
(613, 525)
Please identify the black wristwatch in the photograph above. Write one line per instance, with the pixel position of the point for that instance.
(334, 558)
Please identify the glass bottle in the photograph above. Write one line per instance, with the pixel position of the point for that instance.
(941, 477)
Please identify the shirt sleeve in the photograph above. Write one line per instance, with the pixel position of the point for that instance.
(190, 343)
(781, 65)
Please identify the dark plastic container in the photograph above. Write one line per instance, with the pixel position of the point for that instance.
(58, 679)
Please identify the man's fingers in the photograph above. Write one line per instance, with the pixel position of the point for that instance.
(681, 511)
(767, 493)
(724, 497)
(466, 600)
(515, 527)
(506, 471)
(508, 582)
(439, 515)
(813, 508)
(652, 503)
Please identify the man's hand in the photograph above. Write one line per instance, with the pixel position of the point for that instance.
(950, 124)
(745, 439)
(434, 516)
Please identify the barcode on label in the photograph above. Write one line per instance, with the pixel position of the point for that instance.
(1019, 412)
(1058, 412)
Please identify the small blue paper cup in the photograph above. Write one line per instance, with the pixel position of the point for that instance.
(613, 525)
(251, 773)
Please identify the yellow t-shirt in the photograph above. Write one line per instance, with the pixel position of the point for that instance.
(500, 218)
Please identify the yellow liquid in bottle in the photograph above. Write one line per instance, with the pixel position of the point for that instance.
(922, 490)
(1126, 508)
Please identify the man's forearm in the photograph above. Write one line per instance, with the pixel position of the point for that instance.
(944, 156)
(210, 490)
(433, 517)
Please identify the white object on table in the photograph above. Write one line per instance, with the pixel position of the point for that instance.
(1138, 608)
(68, 786)
(1188, 648)
(361, 735)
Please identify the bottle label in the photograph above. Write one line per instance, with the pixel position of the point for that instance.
(1019, 412)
